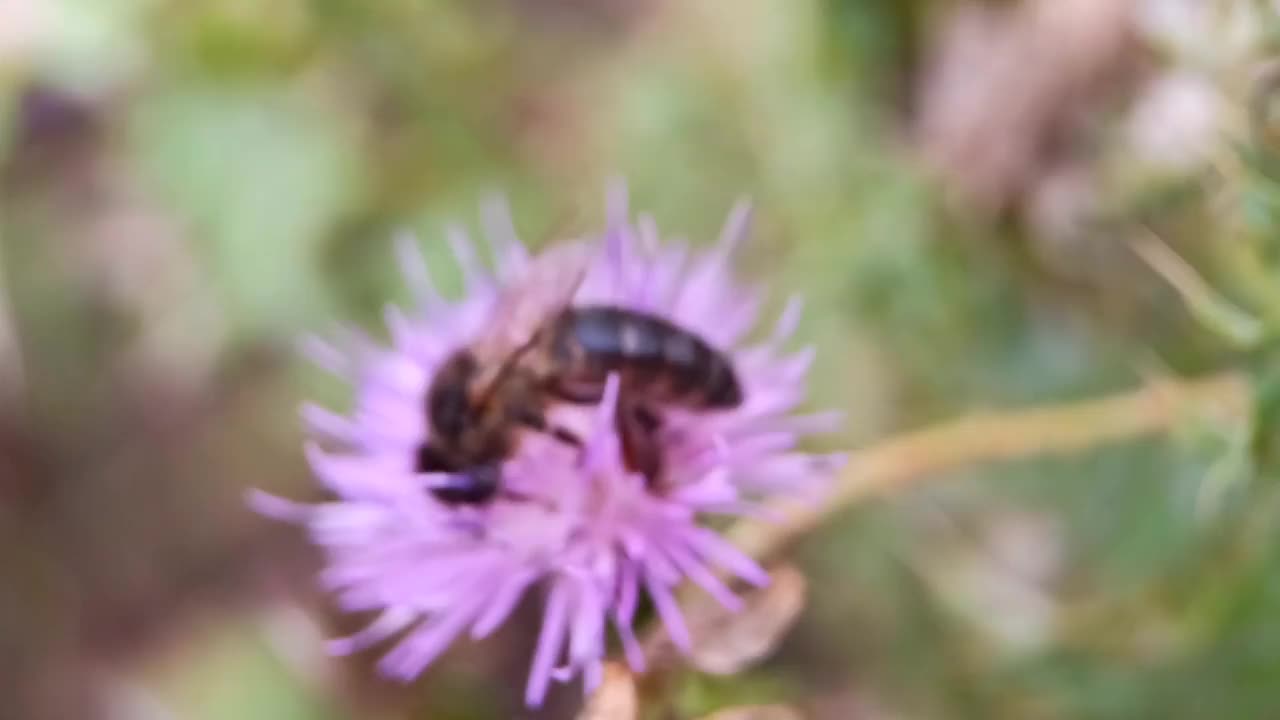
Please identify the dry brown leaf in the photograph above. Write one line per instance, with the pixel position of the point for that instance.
(616, 697)
(727, 642)
(756, 712)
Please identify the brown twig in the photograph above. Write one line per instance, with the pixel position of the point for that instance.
(894, 463)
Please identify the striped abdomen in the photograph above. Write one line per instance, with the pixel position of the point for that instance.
(653, 358)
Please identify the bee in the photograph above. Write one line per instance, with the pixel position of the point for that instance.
(540, 350)
(658, 364)
(485, 394)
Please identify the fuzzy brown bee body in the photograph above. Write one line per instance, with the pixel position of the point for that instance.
(481, 399)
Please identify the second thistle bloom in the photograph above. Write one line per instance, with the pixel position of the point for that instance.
(575, 523)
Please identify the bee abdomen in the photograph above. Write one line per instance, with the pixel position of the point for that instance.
(650, 354)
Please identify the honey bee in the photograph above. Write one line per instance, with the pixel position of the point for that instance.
(658, 363)
(541, 350)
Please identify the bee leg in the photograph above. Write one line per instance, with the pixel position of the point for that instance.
(428, 459)
(577, 393)
(539, 423)
(646, 418)
(566, 436)
(472, 486)
(637, 429)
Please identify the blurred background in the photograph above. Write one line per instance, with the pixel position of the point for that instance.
(987, 204)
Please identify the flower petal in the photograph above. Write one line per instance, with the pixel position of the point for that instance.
(668, 611)
(550, 640)
(504, 601)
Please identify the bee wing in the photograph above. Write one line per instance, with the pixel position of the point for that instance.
(546, 286)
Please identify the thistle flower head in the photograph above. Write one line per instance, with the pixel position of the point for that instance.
(575, 525)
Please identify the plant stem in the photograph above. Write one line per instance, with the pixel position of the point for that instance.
(894, 463)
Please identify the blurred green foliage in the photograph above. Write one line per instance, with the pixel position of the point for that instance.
(187, 187)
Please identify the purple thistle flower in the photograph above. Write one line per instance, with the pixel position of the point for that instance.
(591, 534)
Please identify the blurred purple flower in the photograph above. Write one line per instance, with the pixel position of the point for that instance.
(596, 537)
